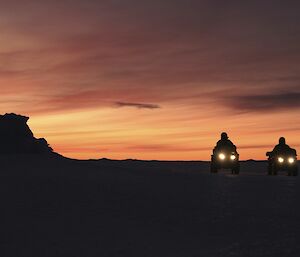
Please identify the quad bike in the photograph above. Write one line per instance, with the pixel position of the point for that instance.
(285, 161)
(225, 159)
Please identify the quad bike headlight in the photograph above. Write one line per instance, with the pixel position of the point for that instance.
(280, 160)
(291, 160)
(222, 156)
(232, 157)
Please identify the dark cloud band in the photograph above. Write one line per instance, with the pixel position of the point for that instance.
(266, 102)
(137, 105)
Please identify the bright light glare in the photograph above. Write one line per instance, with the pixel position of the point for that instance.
(222, 156)
(232, 157)
(280, 159)
(291, 160)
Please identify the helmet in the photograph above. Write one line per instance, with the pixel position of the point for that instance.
(282, 141)
(224, 136)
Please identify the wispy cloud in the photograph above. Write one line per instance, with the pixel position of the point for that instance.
(137, 105)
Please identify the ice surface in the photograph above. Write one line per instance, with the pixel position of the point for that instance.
(57, 207)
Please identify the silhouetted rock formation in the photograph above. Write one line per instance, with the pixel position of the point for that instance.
(17, 138)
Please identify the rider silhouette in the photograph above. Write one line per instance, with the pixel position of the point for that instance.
(225, 143)
(282, 147)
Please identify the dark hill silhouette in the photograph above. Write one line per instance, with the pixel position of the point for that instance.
(17, 138)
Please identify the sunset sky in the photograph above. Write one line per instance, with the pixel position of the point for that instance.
(153, 79)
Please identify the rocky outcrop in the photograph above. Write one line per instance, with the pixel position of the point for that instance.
(17, 138)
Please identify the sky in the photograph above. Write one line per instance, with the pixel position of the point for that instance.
(153, 79)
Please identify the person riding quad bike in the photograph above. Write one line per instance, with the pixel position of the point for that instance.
(282, 158)
(225, 156)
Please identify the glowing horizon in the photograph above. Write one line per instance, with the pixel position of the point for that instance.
(152, 79)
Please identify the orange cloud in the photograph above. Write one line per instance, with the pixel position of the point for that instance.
(210, 67)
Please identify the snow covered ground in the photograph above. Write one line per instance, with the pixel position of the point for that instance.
(101, 208)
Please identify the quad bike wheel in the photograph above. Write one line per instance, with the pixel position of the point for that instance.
(235, 171)
(273, 170)
(213, 169)
(294, 172)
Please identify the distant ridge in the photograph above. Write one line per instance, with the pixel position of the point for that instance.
(17, 138)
